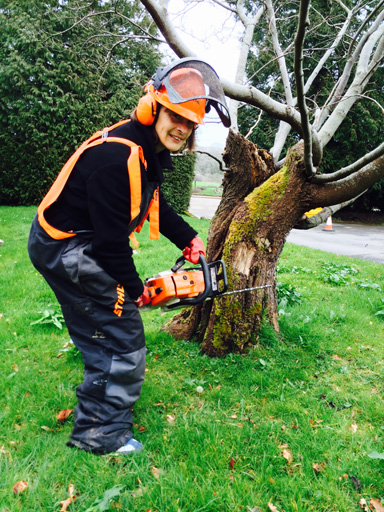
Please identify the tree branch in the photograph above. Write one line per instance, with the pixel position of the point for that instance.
(299, 75)
(311, 222)
(279, 53)
(342, 83)
(249, 26)
(89, 15)
(357, 86)
(350, 169)
(165, 25)
(253, 96)
(329, 194)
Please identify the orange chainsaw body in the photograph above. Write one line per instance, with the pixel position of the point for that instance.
(176, 285)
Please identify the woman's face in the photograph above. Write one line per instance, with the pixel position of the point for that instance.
(172, 130)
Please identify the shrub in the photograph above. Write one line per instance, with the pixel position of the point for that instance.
(178, 182)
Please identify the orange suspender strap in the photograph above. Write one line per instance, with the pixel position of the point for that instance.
(154, 222)
(134, 172)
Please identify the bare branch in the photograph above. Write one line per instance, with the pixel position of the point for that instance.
(78, 22)
(220, 162)
(349, 187)
(244, 52)
(278, 52)
(358, 54)
(164, 23)
(365, 22)
(150, 36)
(329, 52)
(187, 152)
(357, 86)
(350, 169)
(254, 124)
(299, 75)
(225, 6)
(253, 96)
(311, 222)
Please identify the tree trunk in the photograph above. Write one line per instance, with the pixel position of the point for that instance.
(259, 207)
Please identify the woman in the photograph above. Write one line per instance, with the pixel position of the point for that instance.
(79, 242)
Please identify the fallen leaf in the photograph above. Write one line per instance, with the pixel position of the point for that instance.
(353, 428)
(376, 504)
(3, 451)
(287, 456)
(72, 497)
(318, 468)
(170, 418)
(63, 415)
(363, 504)
(234, 416)
(231, 462)
(272, 507)
(142, 429)
(65, 504)
(343, 477)
(155, 472)
(47, 429)
(20, 487)
(336, 357)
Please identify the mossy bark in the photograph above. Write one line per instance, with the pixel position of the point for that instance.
(259, 207)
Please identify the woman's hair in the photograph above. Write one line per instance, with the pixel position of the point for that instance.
(190, 143)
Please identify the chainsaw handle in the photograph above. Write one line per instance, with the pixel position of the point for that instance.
(207, 284)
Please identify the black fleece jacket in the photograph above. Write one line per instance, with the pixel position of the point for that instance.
(96, 197)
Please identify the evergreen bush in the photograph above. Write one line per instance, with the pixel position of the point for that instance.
(177, 186)
(57, 89)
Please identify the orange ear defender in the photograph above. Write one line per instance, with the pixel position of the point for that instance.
(146, 109)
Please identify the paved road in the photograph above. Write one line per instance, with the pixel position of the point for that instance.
(354, 240)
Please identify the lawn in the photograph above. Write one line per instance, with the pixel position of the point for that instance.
(294, 425)
(207, 188)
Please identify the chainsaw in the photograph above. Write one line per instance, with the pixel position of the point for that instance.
(179, 287)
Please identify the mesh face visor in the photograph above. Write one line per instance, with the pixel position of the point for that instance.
(192, 79)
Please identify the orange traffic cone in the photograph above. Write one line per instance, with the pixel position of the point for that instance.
(328, 226)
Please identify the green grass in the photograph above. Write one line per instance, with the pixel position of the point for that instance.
(315, 390)
(206, 188)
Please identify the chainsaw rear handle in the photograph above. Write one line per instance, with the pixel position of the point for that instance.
(207, 284)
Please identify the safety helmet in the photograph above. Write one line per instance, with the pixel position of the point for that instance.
(188, 87)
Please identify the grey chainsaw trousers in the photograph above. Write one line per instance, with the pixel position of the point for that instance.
(105, 325)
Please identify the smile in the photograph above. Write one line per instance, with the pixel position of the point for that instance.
(176, 138)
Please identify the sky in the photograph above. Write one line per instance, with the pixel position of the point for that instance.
(211, 33)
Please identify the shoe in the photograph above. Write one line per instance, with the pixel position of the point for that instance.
(132, 446)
